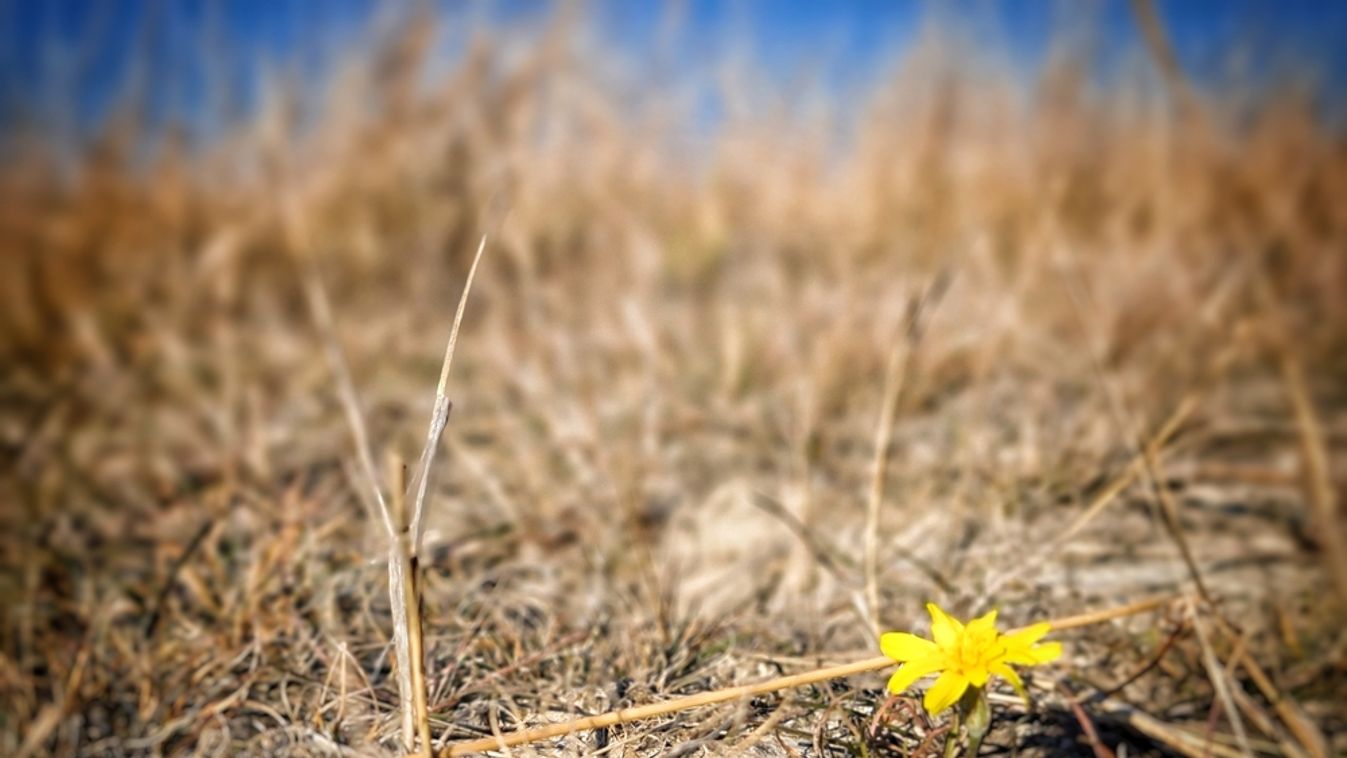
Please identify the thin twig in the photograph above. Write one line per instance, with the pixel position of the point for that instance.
(1183, 741)
(350, 403)
(893, 382)
(897, 377)
(1086, 723)
(827, 556)
(1146, 454)
(1317, 473)
(1287, 709)
(1169, 512)
(1158, 43)
(1101, 500)
(1150, 665)
(1251, 710)
(171, 579)
(1096, 617)
(1222, 685)
(741, 747)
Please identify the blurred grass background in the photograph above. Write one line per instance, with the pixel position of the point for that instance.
(719, 239)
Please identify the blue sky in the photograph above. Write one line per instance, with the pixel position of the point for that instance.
(60, 57)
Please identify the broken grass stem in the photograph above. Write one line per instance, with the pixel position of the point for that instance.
(415, 709)
(405, 598)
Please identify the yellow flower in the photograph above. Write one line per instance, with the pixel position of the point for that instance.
(964, 656)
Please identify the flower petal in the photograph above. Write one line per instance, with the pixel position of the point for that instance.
(944, 629)
(1026, 636)
(902, 646)
(983, 623)
(914, 670)
(1046, 652)
(945, 692)
(1007, 673)
(978, 675)
(1032, 656)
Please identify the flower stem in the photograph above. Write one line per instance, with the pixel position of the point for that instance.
(952, 737)
(977, 717)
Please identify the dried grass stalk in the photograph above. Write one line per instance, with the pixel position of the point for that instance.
(403, 532)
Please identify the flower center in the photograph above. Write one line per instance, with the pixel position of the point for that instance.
(976, 650)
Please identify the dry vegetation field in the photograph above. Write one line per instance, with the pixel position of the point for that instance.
(1049, 347)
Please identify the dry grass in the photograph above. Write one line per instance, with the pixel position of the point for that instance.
(661, 473)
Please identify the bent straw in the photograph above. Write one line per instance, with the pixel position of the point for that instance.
(416, 491)
(625, 715)
(404, 538)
